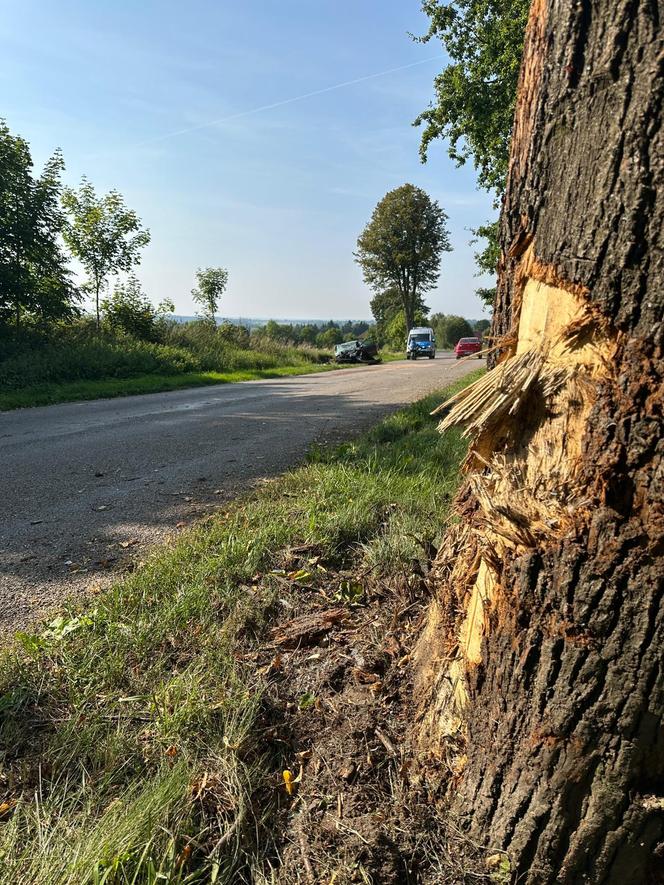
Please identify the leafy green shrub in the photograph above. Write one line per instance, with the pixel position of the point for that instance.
(90, 360)
(77, 353)
(129, 311)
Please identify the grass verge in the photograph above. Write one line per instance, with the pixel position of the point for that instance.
(135, 738)
(109, 388)
(74, 391)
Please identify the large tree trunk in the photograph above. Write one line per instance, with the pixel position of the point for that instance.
(544, 646)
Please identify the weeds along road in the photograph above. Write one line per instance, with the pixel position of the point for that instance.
(87, 487)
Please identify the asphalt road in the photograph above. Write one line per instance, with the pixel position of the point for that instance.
(87, 487)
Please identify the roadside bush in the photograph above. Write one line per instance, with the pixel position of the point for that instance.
(329, 337)
(238, 336)
(130, 311)
(92, 360)
(76, 352)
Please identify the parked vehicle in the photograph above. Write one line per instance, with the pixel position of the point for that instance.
(467, 347)
(421, 342)
(356, 352)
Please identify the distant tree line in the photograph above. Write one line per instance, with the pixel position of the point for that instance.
(449, 328)
(324, 335)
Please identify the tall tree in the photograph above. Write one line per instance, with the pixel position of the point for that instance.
(212, 284)
(34, 277)
(401, 247)
(475, 94)
(549, 613)
(103, 234)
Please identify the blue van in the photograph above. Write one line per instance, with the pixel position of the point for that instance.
(421, 342)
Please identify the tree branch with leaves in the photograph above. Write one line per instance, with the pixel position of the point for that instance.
(475, 96)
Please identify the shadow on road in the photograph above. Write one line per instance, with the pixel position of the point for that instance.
(87, 487)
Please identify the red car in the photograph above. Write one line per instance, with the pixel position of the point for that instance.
(467, 347)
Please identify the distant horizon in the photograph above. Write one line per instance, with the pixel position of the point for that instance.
(299, 321)
(266, 319)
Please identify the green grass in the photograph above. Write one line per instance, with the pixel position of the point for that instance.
(107, 388)
(73, 391)
(131, 730)
(78, 362)
(389, 356)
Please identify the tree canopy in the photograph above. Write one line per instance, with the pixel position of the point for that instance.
(212, 284)
(388, 313)
(34, 277)
(476, 92)
(475, 96)
(103, 234)
(450, 328)
(400, 249)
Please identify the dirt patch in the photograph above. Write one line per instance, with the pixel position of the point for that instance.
(354, 803)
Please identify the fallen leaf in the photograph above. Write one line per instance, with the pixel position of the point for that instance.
(289, 781)
(183, 856)
(493, 860)
(306, 700)
(392, 646)
(308, 629)
(6, 807)
(347, 771)
(365, 677)
(299, 575)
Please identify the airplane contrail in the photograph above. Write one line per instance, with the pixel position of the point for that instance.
(285, 101)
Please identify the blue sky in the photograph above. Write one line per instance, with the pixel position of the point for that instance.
(276, 194)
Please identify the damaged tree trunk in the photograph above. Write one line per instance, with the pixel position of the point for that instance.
(545, 644)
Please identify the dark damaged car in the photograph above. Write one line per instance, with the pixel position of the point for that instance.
(356, 352)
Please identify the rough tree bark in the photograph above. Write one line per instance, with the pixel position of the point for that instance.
(545, 644)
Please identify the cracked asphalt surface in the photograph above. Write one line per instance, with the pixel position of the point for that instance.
(86, 488)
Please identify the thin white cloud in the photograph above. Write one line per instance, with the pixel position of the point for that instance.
(286, 101)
